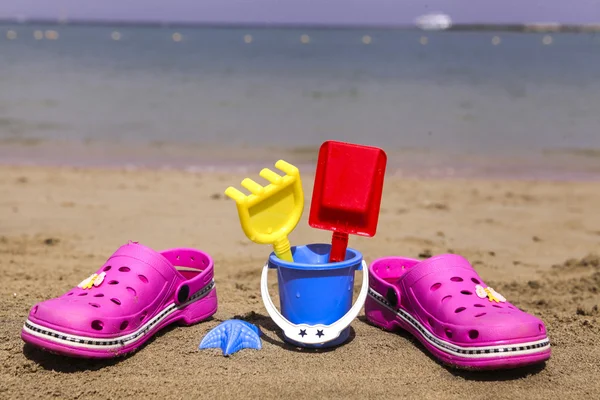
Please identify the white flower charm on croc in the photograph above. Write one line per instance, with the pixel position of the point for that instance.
(490, 293)
(496, 296)
(87, 282)
(92, 280)
(481, 293)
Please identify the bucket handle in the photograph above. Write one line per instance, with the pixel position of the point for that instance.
(319, 333)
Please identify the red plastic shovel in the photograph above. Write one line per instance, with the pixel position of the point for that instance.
(347, 192)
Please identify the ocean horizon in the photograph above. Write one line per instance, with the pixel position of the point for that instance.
(439, 102)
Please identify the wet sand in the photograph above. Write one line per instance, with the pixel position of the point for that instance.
(533, 241)
(523, 163)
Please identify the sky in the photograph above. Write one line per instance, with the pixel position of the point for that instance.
(368, 12)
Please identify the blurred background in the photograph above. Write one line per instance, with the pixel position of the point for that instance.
(446, 87)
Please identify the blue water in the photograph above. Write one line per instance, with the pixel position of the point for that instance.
(457, 92)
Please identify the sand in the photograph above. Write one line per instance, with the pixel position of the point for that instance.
(534, 242)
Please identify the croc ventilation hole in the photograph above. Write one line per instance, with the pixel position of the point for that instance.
(448, 333)
(70, 294)
(107, 268)
(99, 295)
(143, 316)
(131, 291)
(445, 299)
(541, 328)
(124, 269)
(143, 278)
(123, 325)
(480, 315)
(475, 281)
(34, 310)
(478, 305)
(496, 305)
(456, 279)
(192, 258)
(116, 301)
(82, 294)
(473, 334)
(435, 287)
(97, 325)
(96, 305)
(460, 309)
(113, 282)
(466, 292)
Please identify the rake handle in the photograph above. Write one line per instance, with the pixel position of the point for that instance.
(282, 250)
(339, 243)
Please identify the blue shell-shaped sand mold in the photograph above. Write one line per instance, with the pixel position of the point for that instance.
(231, 336)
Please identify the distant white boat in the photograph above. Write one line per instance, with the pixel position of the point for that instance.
(432, 22)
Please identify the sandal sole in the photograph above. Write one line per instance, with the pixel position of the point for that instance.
(68, 344)
(382, 314)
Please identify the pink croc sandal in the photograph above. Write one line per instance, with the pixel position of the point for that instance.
(458, 318)
(136, 293)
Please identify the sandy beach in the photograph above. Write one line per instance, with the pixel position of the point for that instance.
(536, 242)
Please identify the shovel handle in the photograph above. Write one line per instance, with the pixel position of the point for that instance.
(339, 243)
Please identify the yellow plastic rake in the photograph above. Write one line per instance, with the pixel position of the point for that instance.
(270, 213)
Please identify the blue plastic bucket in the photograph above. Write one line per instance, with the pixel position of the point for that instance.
(314, 291)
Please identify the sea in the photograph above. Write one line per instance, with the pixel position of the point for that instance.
(440, 103)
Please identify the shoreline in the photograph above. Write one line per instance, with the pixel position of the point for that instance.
(547, 165)
(441, 172)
